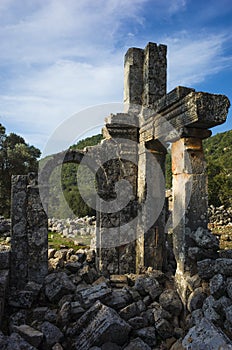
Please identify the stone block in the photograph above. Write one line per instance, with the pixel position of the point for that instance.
(205, 336)
(90, 295)
(217, 286)
(4, 259)
(148, 335)
(16, 342)
(137, 344)
(196, 299)
(132, 310)
(171, 302)
(51, 333)
(58, 285)
(21, 299)
(4, 280)
(31, 335)
(99, 325)
(206, 268)
(118, 299)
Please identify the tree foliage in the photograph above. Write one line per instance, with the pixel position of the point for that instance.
(16, 157)
(65, 197)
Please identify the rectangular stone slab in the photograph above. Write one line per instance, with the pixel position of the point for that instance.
(184, 107)
(101, 324)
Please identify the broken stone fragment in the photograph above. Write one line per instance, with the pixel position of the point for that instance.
(196, 299)
(91, 294)
(99, 325)
(137, 344)
(148, 335)
(21, 299)
(209, 310)
(31, 335)
(58, 284)
(206, 268)
(217, 286)
(16, 342)
(206, 336)
(171, 302)
(146, 284)
(118, 299)
(132, 310)
(137, 322)
(205, 239)
(51, 333)
(164, 328)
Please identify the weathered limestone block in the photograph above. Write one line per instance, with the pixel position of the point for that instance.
(118, 299)
(19, 247)
(150, 246)
(16, 342)
(58, 285)
(171, 302)
(138, 344)
(217, 286)
(132, 310)
(29, 243)
(52, 334)
(145, 75)
(101, 324)
(196, 299)
(90, 295)
(117, 187)
(205, 336)
(148, 335)
(4, 259)
(31, 335)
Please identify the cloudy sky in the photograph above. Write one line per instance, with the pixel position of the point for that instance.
(59, 57)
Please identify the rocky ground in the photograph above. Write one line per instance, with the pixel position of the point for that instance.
(77, 308)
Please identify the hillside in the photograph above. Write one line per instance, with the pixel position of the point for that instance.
(218, 152)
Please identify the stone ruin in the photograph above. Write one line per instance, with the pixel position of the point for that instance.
(129, 165)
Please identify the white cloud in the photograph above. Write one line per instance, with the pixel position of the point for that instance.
(58, 57)
(192, 60)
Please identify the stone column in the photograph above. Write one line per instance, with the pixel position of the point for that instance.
(37, 233)
(190, 198)
(150, 247)
(133, 77)
(115, 238)
(29, 243)
(154, 73)
(19, 242)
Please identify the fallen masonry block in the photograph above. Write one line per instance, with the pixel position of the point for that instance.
(99, 325)
(205, 336)
(31, 335)
(94, 293)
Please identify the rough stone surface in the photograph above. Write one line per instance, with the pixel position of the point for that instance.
(51, 333)
(205, 336)
(57, 285)
(137, 344)
(31, 335)
(171, 302)
(99, 325)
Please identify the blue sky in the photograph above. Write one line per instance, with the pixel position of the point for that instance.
(58, 57)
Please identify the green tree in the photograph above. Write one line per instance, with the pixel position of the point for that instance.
(16, 157)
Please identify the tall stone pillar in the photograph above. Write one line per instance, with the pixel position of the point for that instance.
(19, 242)
(115, 236)
(190, 199)
(29, 243)
(150, 247)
